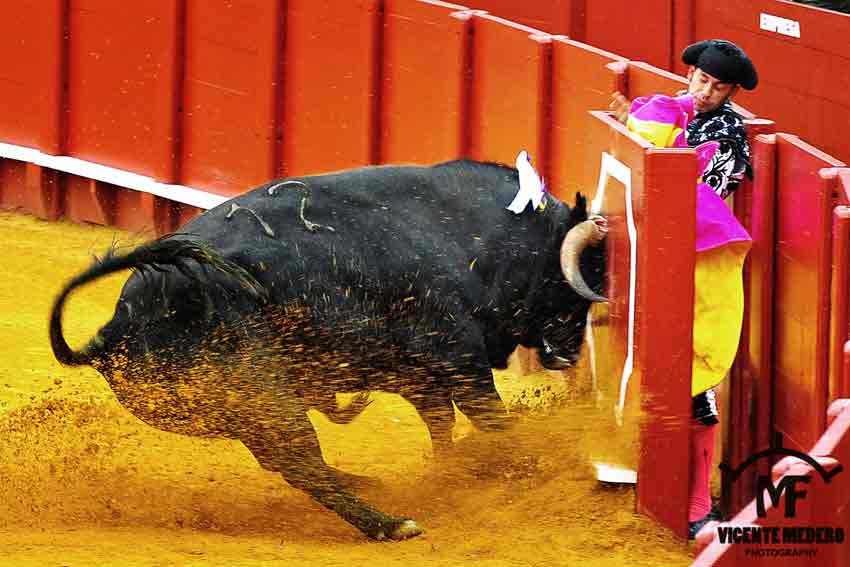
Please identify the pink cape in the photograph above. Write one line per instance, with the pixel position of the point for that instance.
(664, 119)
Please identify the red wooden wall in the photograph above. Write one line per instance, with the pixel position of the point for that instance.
(231, 63)
(33, 71)
(802, 87)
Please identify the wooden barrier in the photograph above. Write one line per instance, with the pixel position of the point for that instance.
(33, 48)
(583, 78)
(839, 328)
(423, 120)
(511, 92)
(30, 188)
(682, 35)
(804, 197)
(565, 17)
(331, 110)
(231, 125)
(750, 412)
(615, 26)
(645, 80)
(649, 209)
(839, 313)
(122, 91)
(620, 25)
(807, 102)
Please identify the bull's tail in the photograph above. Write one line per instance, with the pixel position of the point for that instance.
(166, 251)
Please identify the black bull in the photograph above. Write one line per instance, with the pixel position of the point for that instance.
(414, 280)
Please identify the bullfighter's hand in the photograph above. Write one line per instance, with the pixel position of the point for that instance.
(620, 106)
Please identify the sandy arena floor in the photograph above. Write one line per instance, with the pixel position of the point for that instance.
(83, 482)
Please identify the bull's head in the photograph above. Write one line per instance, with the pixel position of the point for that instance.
(562, 340)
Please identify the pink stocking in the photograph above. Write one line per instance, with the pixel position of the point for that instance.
(702, 455)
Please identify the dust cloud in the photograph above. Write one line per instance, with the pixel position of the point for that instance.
(83, 482)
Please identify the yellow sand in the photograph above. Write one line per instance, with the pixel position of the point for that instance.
(82, 482)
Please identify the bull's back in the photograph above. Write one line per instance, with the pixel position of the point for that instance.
(371, 200)
(382, 229)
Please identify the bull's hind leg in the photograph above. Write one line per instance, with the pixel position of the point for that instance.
(290, 447)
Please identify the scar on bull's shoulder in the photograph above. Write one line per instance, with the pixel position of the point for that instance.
(311, 226)
(236, 207)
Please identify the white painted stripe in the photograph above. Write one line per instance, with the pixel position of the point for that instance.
(20, 153)
(612, 167)
(113, 176)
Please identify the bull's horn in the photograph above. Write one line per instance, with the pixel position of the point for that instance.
(577, 239)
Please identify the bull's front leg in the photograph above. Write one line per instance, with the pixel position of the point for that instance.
(474, 392)
(285, 441)
(473, 388)
(435, 408)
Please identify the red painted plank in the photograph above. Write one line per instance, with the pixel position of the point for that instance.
(751, 387)
(839, 321)
(583, 79)
(134, 211)
(666, 253)
(31, 188)
(329, 101)
(684, 30)
(230, 94)
(552, 16)
(823, 31)
(31, 47)
(510, 92)
(629, 28)
(844, 189)
(845, 383)
(13, 186)
(422, 116)
(803, 250)
(645, 80)
(184, 213)
(87, 200)
(122, 91)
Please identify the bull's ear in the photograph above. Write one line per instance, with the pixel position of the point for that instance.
(580, 208)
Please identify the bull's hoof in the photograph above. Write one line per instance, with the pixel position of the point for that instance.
(405, 529)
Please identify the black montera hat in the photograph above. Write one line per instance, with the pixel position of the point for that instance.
(724, 60)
